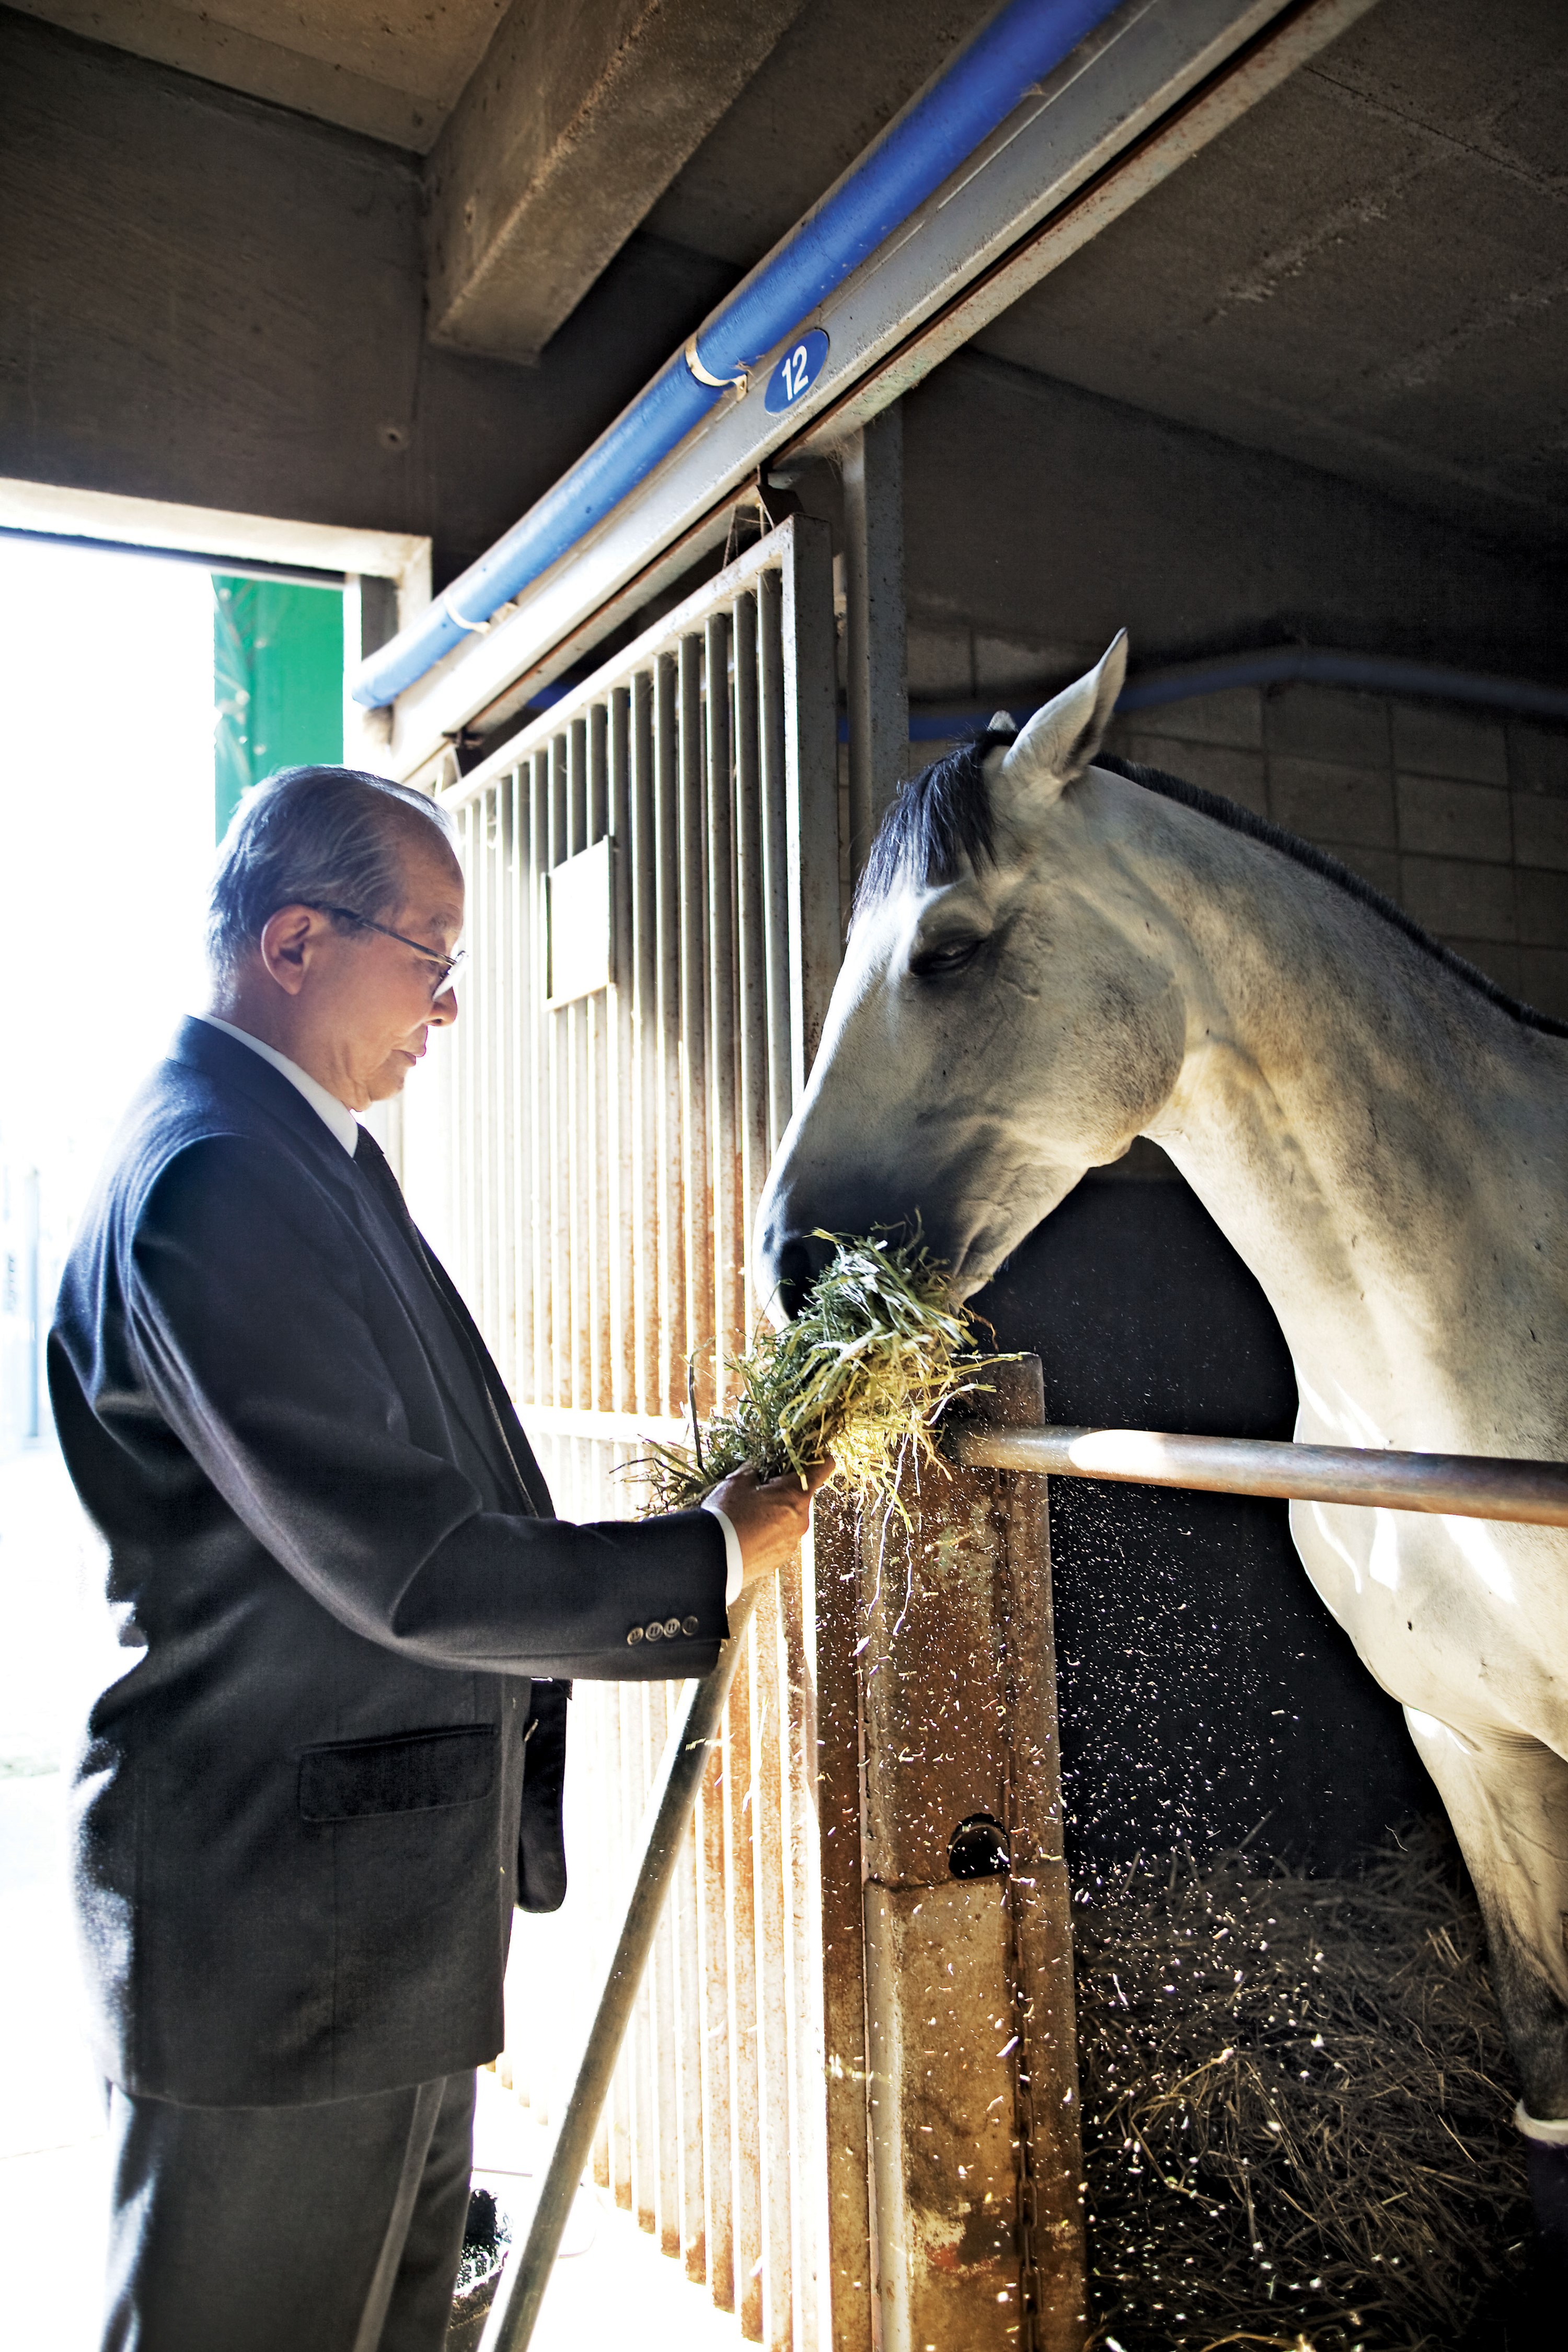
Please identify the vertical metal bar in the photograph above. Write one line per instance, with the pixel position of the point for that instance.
(559, 1225)
(671, 1079)
(776, 791)
(480, 1048)
(874, 631)
(622, 1796)
(573, 1023)
(804, 1956)
(1040, 1900)
(835, 1577)
(690, 2059)
(665, 2151)
(518, 1221)
(622, 1246)
(511, 1012)
(726, 1248)
(682, 1769)
(714, 1982)
(645, 1198)
(462, 1093)
(740, 1800)
(645, 2092)
(750, 947)
(541, 1250)
(601, 1122)
(768, 1869)
(696, 1179)
(493, 1158)
(811, 760)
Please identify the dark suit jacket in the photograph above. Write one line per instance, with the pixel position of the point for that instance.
(331, 1546)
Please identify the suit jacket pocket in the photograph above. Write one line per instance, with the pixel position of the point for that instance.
(412, 1773)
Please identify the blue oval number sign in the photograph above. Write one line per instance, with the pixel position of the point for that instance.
(797, 370)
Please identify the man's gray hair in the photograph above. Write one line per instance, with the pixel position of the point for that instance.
(313, 837)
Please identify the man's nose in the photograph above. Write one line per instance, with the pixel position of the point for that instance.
(444, 1012)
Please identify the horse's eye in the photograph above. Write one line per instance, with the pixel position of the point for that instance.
(951, 955)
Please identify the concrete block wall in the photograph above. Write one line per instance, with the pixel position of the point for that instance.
(1459, 815)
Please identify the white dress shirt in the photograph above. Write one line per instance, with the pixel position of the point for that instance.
(327, 1108)
(342, 1123)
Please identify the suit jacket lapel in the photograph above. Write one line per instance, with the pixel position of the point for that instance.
(501, 1422)
(380, 1211)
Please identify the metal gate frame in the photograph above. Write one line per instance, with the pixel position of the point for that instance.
(608, 1159)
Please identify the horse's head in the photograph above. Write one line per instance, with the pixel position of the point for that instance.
(1005, 1016)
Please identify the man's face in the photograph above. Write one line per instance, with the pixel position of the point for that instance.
(350, 1004)
(385, 997)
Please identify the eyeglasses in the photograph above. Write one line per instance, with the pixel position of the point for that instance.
(445, 965)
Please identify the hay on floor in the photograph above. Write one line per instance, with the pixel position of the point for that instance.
(1297, 2106)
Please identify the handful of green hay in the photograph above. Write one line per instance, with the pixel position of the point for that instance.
(861, 1374)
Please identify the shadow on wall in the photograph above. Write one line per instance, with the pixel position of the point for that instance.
(1205, 1688)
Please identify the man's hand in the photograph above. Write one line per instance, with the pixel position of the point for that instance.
(770, 1516)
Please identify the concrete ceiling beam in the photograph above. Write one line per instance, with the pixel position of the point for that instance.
(573, 127)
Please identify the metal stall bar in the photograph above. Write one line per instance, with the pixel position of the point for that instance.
(1459, 1485)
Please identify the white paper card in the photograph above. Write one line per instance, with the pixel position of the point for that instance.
(580, 920)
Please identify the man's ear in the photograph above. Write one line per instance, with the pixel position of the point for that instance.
(1061, 740)
(284, 945)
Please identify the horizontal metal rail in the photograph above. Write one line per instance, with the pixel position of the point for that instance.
(1457, 1485)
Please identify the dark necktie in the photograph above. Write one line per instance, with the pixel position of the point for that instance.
(370, 1159)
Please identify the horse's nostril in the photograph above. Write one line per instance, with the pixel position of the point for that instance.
(797, 1265)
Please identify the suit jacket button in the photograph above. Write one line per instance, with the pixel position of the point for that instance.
(671, 1628)
(655, 1630)
(690, 1624)
(634, 1637)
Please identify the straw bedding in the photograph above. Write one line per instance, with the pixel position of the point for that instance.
(1297, 2107)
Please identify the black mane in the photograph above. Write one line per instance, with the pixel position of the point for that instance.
(942, 819)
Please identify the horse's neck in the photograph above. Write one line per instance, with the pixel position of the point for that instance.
(1381, 1145)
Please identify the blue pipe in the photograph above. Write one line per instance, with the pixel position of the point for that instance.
(919, 148)
(1372, 673)
(1284, 666)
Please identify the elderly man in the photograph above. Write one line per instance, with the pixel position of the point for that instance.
(336, 1559)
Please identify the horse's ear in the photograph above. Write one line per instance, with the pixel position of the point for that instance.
(1061, 740)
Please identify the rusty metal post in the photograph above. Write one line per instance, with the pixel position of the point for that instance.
(835, 1558)
(976, 2219)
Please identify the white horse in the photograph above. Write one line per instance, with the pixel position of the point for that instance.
(1049, 958)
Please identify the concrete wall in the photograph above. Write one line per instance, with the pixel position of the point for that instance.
(1461, 817)
(209, 301)
(1041, 518)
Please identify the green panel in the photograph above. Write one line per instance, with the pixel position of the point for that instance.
(278, 662)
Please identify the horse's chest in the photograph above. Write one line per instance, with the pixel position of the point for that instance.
(1463, 1619)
